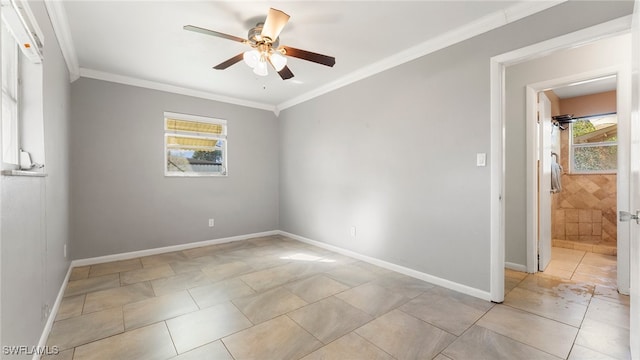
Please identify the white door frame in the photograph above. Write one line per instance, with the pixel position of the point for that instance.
(623, 86)
(497, 94)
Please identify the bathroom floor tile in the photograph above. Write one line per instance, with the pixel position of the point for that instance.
(279, 338)
(351, 346)
(204, 326)
(547, 335)
(148, 343)
(156, 309)
(481, 343)
(405, 337)
(330, 318)
(448, 310)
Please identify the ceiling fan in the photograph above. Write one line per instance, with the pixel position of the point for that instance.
(264, 40)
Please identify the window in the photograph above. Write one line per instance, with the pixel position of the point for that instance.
(194, 145)
(9, 97)
(594, 144)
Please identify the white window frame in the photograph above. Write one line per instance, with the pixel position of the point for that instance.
(170, 132)
(572, 147)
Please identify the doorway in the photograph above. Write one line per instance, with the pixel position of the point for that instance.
(577, 237)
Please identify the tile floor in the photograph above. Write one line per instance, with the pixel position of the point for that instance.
(276, 298)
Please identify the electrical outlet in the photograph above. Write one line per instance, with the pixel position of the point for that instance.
(211, 223)
(352, 231)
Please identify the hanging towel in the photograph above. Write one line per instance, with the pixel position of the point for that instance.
(556, 176)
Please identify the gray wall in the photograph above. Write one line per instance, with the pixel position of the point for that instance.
(121, 200)
(394, 154)
(603, 54)
(35, 212)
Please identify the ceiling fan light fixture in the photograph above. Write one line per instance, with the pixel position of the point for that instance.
(261, 68)
(251, 58)
(277, 60)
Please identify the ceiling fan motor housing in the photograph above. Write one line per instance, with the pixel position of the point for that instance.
(255, 36)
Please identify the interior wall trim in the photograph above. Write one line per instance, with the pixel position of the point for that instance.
(484, 295)
(516, 267)
(166, 249)
(60, 23)
(52, 314)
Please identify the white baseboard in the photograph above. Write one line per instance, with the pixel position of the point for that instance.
(484, 295)
(516, 267)
(165, 249)
(52, 315)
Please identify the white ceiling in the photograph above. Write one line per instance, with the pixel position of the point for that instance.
(587, 87)
(143, 43)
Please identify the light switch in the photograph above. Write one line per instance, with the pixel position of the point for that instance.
(481, 159)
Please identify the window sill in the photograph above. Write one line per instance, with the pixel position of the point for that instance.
(23, 173)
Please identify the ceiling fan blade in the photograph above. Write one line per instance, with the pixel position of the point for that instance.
(232, 61)
(276, 20)
(285, 73)
(213, 33)
(309, 56)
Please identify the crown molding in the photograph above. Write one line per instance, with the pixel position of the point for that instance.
(480, 26)
(58, 17)
(127, 80)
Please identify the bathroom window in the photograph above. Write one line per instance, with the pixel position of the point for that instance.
(594, 144)
(194, 145)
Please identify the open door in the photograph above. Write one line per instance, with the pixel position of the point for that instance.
(634, 245)
(544, 181)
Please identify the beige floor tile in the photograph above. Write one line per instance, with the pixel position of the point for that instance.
(86, 328)
(84, 286)
(599, 260)
(579, 352)
(267, 305)
(448, 310)
(482, 344)
(204, 326)
(330, 318)
(351, 346)
(566, 289)
(184, 281)
(269, 278)
(316, 287)
(611, 294)
(156, 309)
(405, 337)
(115, 267)
(146, 274)
(79, 273)
(209, 250)
(514, 274)
(608, 312)
(604, 338)
(553, 270)
(222, 291)
(403, 284)
(160, 259)
(442, 357)
(373, 299)
(352, 275)
(70, 307)
(105, 299)
(224, 271)
(545, 305)
(193, 265)
(210, 351)
(547, 335)
(61, 355)
(148, 343)
(279, 338)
